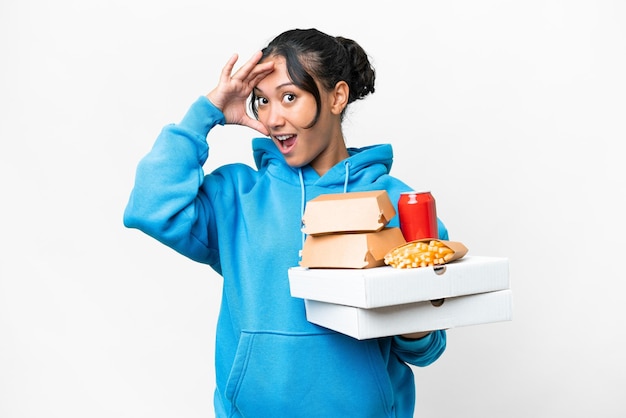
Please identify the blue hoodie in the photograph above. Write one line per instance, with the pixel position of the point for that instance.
(246, 224)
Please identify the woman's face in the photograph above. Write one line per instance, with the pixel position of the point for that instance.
(287, 110)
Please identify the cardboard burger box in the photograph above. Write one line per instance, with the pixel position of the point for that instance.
(349, 230)
(351, 250)
(335, 213)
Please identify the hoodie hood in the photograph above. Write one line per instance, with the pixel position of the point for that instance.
(364, 165)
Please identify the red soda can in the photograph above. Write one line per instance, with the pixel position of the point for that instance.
(418, 215)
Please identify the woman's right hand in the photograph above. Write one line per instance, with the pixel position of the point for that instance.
(233, 90)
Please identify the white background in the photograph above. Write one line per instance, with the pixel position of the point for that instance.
(512, 113)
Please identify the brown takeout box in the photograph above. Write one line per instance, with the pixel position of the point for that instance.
(348, 212)
(355, 250)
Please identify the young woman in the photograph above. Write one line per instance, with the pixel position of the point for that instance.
(246, 224)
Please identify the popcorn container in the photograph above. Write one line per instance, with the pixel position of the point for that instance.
(418, 215)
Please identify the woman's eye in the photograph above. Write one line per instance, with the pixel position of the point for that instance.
(289, 97)
(260, 101)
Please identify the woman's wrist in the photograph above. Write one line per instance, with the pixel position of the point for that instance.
(415, 335)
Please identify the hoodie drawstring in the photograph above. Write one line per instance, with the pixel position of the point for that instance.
(302, 203)
(346, 164)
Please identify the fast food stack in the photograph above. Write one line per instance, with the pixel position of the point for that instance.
(360, 277)
(349, 230)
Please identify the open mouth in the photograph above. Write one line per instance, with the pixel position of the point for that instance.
(286, 142)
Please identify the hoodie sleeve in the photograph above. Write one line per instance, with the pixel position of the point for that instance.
(420, 352)
(167, 201)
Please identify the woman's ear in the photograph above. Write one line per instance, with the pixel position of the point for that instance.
(340, 97)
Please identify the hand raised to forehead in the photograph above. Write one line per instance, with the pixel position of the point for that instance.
(233, 90)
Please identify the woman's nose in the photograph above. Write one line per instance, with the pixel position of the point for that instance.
(275, 117)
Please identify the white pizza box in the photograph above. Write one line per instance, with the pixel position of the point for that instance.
(386, 286)
(386, 321)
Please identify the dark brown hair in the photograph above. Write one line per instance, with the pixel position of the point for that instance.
(313, 55)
